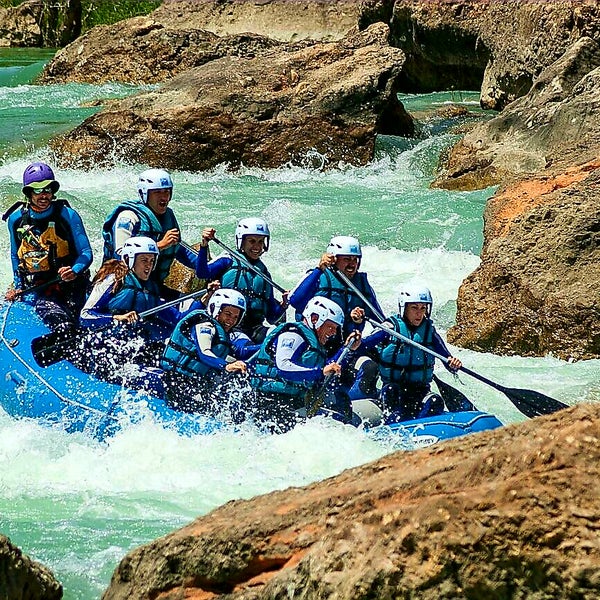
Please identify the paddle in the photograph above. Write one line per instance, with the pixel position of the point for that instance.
(529, 402)
(38, 287)
(52, 347)
(314, 401)
(455, 400)
(248, 264)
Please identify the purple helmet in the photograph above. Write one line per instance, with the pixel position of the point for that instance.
(37, 176)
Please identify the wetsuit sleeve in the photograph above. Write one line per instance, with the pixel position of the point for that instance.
(203, 335)
(370, 295)
(95, 311)
(14, 248)
(201, 265)
(218, 267)
(82, 242)
(438, 345)
(188, 257)
(243, 347)
(127, 224)
(288, 350)
(305, 289)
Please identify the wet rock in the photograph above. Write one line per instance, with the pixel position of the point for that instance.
(24, 579)
(508, 513)
(329, 98)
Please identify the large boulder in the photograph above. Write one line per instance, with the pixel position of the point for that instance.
(329, 98)
(535, 291)
(511, 513)
(24, 579)
(498, 46)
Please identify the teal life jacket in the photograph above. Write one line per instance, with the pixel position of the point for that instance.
(404, 364)
(134, 296)
(254, 288)
(268, 379)
(150, 226)
(181, 354)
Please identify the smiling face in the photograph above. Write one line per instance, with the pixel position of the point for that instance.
(326, 331)
(158, 201)
(143, 265)
(253, 246)
(229, 317)
(347, 264)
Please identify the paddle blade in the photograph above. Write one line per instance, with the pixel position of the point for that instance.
(50, 348)
(454, 399)
(532, 403)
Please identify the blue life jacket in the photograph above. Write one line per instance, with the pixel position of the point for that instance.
(334, 289)
(181, 354)
(254, 288)
(150, 226)
(267, 378)
(134, 296)
(404, 364)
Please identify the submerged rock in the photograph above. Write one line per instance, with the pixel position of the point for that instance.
(329, 98)
(508, 513)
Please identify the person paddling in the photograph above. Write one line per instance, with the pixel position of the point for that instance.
(252, 237)
(202, 349)
(149, 216)
(49, 250)
(406, 371)
(293, 360)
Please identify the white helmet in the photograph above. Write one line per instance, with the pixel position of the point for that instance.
(153, 179)
(138, 245)
(226, 297)
(344, 245)
(414, 293)
(325, 309)
(251, 226)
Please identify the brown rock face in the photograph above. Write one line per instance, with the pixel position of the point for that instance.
(512, 513)
(23, 579)
(331, 98)
(536, 290)
(498, 46)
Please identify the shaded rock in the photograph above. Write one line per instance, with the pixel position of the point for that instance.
(498, 46)
(510, 513)
(331, 98)
(24, 579)
(536, 290)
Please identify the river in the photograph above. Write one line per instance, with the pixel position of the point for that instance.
(78, 505)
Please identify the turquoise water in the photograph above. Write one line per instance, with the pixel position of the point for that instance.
(78, 505)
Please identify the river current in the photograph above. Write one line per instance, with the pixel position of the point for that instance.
(78, 505)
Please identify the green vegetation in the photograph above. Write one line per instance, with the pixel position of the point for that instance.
(103, 12)
(106, 12)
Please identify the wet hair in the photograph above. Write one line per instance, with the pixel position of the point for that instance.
(112, 267)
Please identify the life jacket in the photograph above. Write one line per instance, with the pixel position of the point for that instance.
(334, 289)
(45, 244)
(181, 354)
(267, 378)
(150, 226)
(133, 295)
(254, 288)
(403, 363)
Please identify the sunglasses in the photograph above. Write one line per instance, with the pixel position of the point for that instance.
(46, 190)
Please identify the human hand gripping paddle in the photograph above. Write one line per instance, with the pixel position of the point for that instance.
(52, 347)
(314, 399)
(529, 402)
